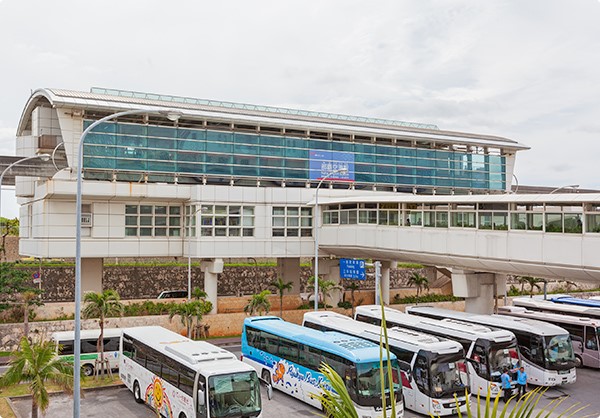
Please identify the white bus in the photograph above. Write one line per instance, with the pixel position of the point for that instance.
(585, 332)
(487, 351)
(546, 350)
(181, 378)
(89, 351)
(432, 370)
(541, 305)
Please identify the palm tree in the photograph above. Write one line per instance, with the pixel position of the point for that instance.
(352, 286)
(532, 282)
(325, 287)
(28, 299)
(418, 281)
(102, 305)
(38, 364)
(190, 313)
(281, 287)
(258, 303)
(198, 294)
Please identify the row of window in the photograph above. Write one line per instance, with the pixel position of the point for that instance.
(292, 221)
(67, 348)
(301, 354)
(162, 366)
(573, 223)
(202, 152)
(152, 221)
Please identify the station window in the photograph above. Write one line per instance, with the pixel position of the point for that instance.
(292, 221)
(226, 220)
(152, 221)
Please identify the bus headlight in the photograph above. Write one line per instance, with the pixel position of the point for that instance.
(436, 404)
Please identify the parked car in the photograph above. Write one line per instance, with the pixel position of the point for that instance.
(173, 294)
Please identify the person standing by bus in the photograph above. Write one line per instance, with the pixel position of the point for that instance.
(506, 384)
(521, 381)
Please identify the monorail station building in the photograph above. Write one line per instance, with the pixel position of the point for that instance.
(211, 180)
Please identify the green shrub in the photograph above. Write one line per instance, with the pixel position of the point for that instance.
(345, 304)
(428, 298)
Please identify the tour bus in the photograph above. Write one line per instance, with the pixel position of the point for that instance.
(432, 368)
(541, 305)
(570, 300)
(584, 332)
(487, 351)
(289, 356)
(89, 350)
(546, 350)
(182, 378)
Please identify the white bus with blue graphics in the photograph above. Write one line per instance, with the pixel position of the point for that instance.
(289, 356)
(546, 350)
(433, 370)
(488, 351)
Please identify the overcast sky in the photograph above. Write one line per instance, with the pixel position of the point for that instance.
(526, 70)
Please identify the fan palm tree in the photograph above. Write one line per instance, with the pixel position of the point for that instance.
(38, 364)
(418, 281)
(533, 283)
(101, 306)
(190, 313)
(352, 286)
(325, 287)
(281, 287)
(259, 303)
(29, 299)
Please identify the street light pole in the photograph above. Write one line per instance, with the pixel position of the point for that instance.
(316, 266)
(43, 157)
(171, 115)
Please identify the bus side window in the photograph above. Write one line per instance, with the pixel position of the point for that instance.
(253, 337)
(368, 319)
(111, 344)
(89, 346)
(66, 348)
(591, 339)
(128, 347)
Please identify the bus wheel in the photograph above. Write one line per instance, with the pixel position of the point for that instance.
(182, 415)
(88, 370)
(266, 376)
(578, 361)
(137, 394)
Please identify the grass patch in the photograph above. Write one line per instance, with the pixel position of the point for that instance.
(410, 266)
(5, 353)
(5, 410)
(89, 382)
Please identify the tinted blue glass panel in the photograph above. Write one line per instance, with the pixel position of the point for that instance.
(99, 150)
(161, 143)
(406, 152)
(221, 137)
(190, 168)
(364, 149)
(131, 164)
(314, 144)
(272, 151)
(386, 159)
(272, 172)
(96, 162)
(365, 158)
(296, 163)
(107, 127)
(297, 153)
(164, 166)
(161, 155)
(133, 141)
(93, 138)
(271, 162)
(218, 159)
(190, 156)
(421, 162)
(406, 171)
(276, 141)
(191, 134)
(342, 146)
(224, 147)
(444, 182)
(127, 129)
(365, 177)
(161, 131)
(244, 160)
(218, 165)
(245, 139)
(296, 174)
(191, 145)
(462, 183)
(405, 180)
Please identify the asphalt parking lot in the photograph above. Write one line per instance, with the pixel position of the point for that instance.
(119, 403)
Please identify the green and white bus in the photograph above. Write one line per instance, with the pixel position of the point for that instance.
(89, 351)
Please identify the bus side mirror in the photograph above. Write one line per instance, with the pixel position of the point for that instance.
(269, 391)
(201, 398)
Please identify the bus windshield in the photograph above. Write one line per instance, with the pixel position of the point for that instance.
(234, 395)
(501, 357)
(558, 352)
(369, 382)
(446, 376)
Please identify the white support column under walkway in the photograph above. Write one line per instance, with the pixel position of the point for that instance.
(211, 270)
(289, 271)
(329, 269)
(91, 275)
(386, 266)
(478, 289)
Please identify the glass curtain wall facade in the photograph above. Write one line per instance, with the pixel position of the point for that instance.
(130, 149)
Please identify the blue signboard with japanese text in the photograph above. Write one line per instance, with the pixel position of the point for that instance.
(352, 269)
(322, 163)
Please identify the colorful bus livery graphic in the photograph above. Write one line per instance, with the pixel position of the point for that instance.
(156, 395)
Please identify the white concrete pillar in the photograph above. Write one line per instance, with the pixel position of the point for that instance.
(211, 270)
(330, 270)
(289, 271)
(386, 266)
(477, 288)
(91, 274)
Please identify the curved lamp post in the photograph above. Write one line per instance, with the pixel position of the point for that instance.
(316, 266)
(172, 115)
(43, 157)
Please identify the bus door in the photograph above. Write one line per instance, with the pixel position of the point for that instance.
(408, 391)
(591, 352)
